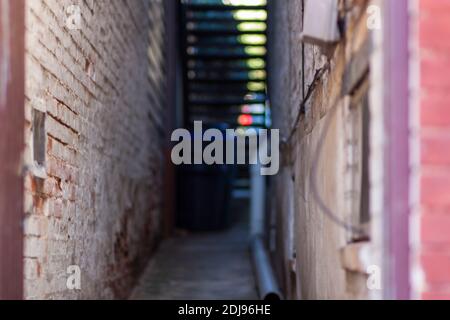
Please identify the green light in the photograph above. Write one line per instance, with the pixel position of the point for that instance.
(255, 51)
(250, 15)
(244, 2)
(257, 75)
(256, 86)
(252, 26)
(253, 39)
(256, 63)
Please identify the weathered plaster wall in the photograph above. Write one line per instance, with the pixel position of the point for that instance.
(321, 261)
(94, 101)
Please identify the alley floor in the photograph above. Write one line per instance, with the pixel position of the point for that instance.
(214, 266)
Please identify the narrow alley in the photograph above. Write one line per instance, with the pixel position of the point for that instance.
(236, 150)
(215, 266)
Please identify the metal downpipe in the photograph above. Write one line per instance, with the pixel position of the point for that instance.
(265, 277)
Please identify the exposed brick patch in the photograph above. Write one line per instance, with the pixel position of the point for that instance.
(435, 188)
(432, 151)
(434, 110)
(437, 265)
(435, 296)
(435, 229)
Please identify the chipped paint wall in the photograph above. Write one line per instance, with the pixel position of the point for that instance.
(94, 128)
(313, 93)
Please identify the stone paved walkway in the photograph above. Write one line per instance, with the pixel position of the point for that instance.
(201, 267)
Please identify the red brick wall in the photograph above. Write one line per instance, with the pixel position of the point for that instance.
(434, 53)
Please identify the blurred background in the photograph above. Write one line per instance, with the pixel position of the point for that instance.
(93, 207)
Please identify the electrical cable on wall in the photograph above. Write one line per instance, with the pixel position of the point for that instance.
(314, 179)
(333, 216)
(317, 76)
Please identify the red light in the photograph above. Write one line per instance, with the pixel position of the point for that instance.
(245, 120)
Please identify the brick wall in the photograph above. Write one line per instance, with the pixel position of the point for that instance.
(434, 138)
(320, 260)
(94, 102)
